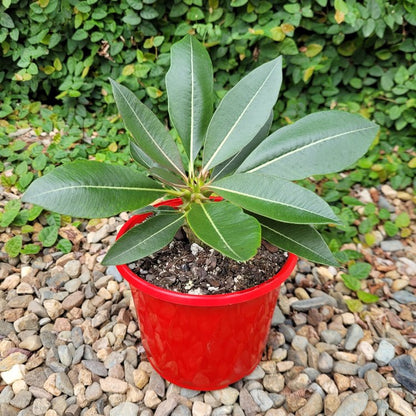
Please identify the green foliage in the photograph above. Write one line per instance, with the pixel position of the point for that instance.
(352, 280)
(93, 189)
(350, 54)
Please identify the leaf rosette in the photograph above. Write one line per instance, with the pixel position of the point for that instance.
(226, 152)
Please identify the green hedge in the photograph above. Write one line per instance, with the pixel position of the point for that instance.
(347, 54)
(354, 55)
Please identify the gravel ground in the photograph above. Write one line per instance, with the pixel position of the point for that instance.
(69, 343)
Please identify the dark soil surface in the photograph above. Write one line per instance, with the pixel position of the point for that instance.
(190, 268)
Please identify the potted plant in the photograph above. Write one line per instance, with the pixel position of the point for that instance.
(229, 187)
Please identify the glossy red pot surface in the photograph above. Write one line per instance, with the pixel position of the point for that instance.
(203, 342)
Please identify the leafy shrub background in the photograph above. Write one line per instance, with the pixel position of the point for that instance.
(346, 54)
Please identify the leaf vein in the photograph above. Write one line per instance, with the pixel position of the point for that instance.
(305, 147)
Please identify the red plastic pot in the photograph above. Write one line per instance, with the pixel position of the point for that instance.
(203, 342)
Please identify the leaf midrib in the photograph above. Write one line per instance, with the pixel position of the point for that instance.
(149, 237)
(123, 188)
(293, 241)
(266, 200)
(305, 147)
(238, 119)
(148, 133)
(218, 232)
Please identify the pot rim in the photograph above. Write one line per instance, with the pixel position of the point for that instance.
(200, 300)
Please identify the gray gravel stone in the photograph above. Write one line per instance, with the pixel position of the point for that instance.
(404, 297)
(181, 410)
(278, 399)
(65, 356)
(325, 362)
(63, 383)
(125, 409)
(375, 380)
(353, 405)
(385, 353)
(166, 407)
(40, 406)
(262, 399)
(157, 384)
(222, 411)
(382, 407)
(247, 403)
(288, 332)
(93, 392)
(366, 367)
(353, 337)
(346, 368)
(257, 374)
(305, 305)
(391, 245)
(96, 367)
(22, 399)
(404, 368)
(313, 407)
(331, 337)
(299, 343)
(278, 317)
(188, 393)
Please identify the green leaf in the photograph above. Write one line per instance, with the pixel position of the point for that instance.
(350, 200)
(354, 305)
(359, 270)
(351, 282)
(391, 228)
(148, 132)
(195, 13)
(34, 212)
(140, 157)
(189, 84)
(6, 21)
(11, 210)
(30, 249)
(242, 113)
(367, 297)
(144, 239)
(90, 189)
(64, 245)
(13, 246)
(299, 239)
(54, 219)
(215, 224)
(49, 235)
(402, 220)
(274, 198)
(80, 34)
(230, 165)
(320, 143)
(313, 49)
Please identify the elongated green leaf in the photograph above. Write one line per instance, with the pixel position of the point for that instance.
(216, 224)
(299, 239)
(231, 165)
(155, 170)
(320, 143)
(89, 189)
(242, 113)
(367, 297)
(148, 132)
(274, 198)
(166, 176)
(141, 157)
(189, 84)
(144, 239)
